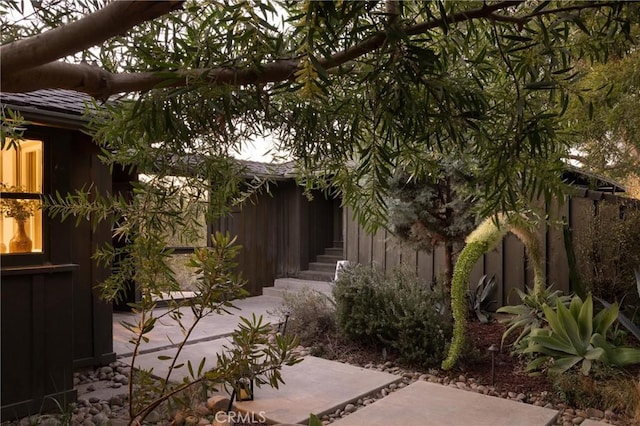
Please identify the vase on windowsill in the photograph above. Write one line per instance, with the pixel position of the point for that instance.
(20, 210)
(20, 243)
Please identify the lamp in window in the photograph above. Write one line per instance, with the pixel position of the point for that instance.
(20, 209)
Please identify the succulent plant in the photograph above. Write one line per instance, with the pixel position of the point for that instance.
(575, 335)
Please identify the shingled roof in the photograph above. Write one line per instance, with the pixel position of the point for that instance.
(50, 106)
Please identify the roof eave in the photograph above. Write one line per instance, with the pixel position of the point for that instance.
(49, 118)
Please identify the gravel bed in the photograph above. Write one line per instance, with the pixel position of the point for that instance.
(568, 416)
(112, 410)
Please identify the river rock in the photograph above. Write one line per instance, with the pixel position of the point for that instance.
(121, 378)
(350, 408)
(594, 412)
(217, 403)
(101, 419)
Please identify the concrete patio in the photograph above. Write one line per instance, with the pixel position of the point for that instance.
(321, 386)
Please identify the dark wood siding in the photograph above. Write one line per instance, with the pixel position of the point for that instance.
(280, 233)
(37, 363)
(93, 343)
(52, 318)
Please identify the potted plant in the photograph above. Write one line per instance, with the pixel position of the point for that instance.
(20, 209)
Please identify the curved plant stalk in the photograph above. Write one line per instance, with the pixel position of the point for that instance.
(483, 239)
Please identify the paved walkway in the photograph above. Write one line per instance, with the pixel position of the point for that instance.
(321, 387)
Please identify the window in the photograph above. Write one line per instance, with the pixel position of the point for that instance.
(21, 177)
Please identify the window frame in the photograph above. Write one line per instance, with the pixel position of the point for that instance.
(42, 257)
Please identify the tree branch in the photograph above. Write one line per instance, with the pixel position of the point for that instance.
(38, 72)
(511, 19)
(101, 84)
(116, 18)
(377, 40)
(586, 5)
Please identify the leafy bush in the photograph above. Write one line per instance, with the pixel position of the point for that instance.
(396, 311)
(608, 252)
(311, 315)
(622, 319)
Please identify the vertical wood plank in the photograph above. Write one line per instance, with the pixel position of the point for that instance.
(493, 267)
(558, 275)
(379, 252)
(352, 241)
(438, 254)
(393, 252)
(425, 266)
(409, 257)
(478, 271)
(365, 244)
(580, 221)
(514, 269)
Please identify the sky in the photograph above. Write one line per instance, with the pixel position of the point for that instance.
(258, 150)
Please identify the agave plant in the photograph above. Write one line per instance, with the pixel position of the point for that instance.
(575, 336)
(478, 298)
(529, 314)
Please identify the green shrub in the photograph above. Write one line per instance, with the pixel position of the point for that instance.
(607, 253)
(311, 315)
(395, 311)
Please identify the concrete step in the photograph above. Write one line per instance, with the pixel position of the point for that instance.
(292, 285)
(281, 292)
(326, 267)
(328, 258)
(316, 275)
(334, 251)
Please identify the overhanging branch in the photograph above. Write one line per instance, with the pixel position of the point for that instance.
(29, 64)
(114, 19)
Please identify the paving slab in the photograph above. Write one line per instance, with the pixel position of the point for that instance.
(589, 422)
(317, 386)
(211, 327)
(191, 352)
(430, 404)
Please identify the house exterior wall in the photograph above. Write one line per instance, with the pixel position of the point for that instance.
(280, 233)
(52, 318)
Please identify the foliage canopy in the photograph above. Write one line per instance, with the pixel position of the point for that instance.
(353, 89)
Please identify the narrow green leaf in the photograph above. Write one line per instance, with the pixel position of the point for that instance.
(604, 319)
(625, 356)
(585, 319)
(541, 85)
(570, 325)
(561, 365)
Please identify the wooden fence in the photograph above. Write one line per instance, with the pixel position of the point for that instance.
(507, 263)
